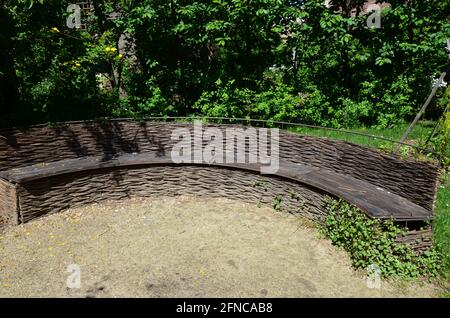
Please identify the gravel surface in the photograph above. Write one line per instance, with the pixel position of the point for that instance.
(180, 247)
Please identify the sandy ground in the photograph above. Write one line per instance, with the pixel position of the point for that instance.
(183, 247)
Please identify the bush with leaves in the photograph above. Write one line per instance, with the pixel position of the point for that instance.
(440, 140)
(332, 70)
(373, 241)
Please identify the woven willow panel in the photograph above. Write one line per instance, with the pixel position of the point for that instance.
(415, 181)
(59, 193)
(8, 204)
(54, 194)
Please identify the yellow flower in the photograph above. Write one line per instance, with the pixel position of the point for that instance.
(110, 49)
(55, 30)
(120, 56)
(77, 64)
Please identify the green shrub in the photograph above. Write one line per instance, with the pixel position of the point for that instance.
(278, 103)
(440, 143)
(372, 241)
(351, 112)
(329, 70)
(226, 101)
(395, 103)
(315, 108)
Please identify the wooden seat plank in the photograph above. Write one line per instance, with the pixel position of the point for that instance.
(372, 200)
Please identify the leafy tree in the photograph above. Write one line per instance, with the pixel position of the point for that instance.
(294, 60)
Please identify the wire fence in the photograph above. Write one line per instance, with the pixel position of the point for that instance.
(368, 140)
(355, 137)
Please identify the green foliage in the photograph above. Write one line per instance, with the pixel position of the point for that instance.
(373, 241)
(270, 59)
(442, 222)
(277, 202)
(229, 100)
(350, 113)
(440, 141)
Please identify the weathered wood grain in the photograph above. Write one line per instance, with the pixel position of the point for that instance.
(9, 213)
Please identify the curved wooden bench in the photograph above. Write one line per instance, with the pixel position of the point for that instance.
(374, 201)
(412, 180)
(48, 169)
